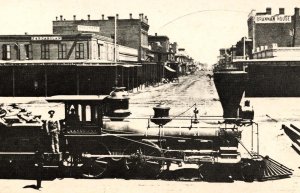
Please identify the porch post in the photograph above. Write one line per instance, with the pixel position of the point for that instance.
(77, 81)
(13, 81)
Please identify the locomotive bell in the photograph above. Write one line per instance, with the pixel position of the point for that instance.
(161, 115)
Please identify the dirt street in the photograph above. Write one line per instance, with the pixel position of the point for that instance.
(270, 113)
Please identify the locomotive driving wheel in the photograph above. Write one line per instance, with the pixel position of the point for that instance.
(96, 167)
(142, 162)
(248, 171)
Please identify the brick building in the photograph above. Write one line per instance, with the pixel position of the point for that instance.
(273, 65)
(130, 32)
(266, 28)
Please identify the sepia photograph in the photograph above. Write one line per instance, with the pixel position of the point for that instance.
(159, 96)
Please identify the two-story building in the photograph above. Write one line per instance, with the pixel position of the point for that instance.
(164, 55)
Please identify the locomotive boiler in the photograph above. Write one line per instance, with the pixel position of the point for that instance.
(106, 137)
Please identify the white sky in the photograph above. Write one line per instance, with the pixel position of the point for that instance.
(202, 33)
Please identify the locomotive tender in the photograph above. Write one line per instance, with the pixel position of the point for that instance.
(104, 136)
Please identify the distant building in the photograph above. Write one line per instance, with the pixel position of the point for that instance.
(174, 59)
(160, 46)
(183, 59)
(161, 53)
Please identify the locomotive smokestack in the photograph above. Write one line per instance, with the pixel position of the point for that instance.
(230, 86)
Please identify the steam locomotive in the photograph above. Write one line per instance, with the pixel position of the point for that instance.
(105, 135)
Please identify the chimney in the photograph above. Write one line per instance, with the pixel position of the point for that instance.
(130, 15)
(61, 17)
(146, 18)
(268, 11)
(74, 17)
(281, 11)
(102, 16)
(110, 17)
(296, 11)
(155, 34)
(56, 18)
(89, 16)
(141, 16)
(117, 15)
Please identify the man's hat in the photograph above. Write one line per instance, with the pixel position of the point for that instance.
(23, 109)
(51, 112)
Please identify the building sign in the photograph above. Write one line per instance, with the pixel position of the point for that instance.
(273, 19)
(87, 28)
(50, 38)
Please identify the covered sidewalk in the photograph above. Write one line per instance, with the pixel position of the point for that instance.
(64, 77)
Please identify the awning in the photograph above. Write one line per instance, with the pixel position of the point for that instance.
(170, 69)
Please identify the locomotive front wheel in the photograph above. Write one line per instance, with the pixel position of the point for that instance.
(248, 172)
(139, 165)
(94, 168)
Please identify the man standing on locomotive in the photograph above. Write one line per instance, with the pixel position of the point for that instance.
(53, 128)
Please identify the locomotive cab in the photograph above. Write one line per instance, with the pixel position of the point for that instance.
(83, 114)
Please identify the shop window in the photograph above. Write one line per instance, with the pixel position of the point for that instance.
(45, 51)
(62, 50)
(99, 51)
(103, 52)
(79, 51)
(28, 51)
(6, 52)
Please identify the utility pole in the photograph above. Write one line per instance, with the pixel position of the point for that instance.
(115, 52)
(115, 40)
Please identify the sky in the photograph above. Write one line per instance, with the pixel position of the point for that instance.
(202, 27)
